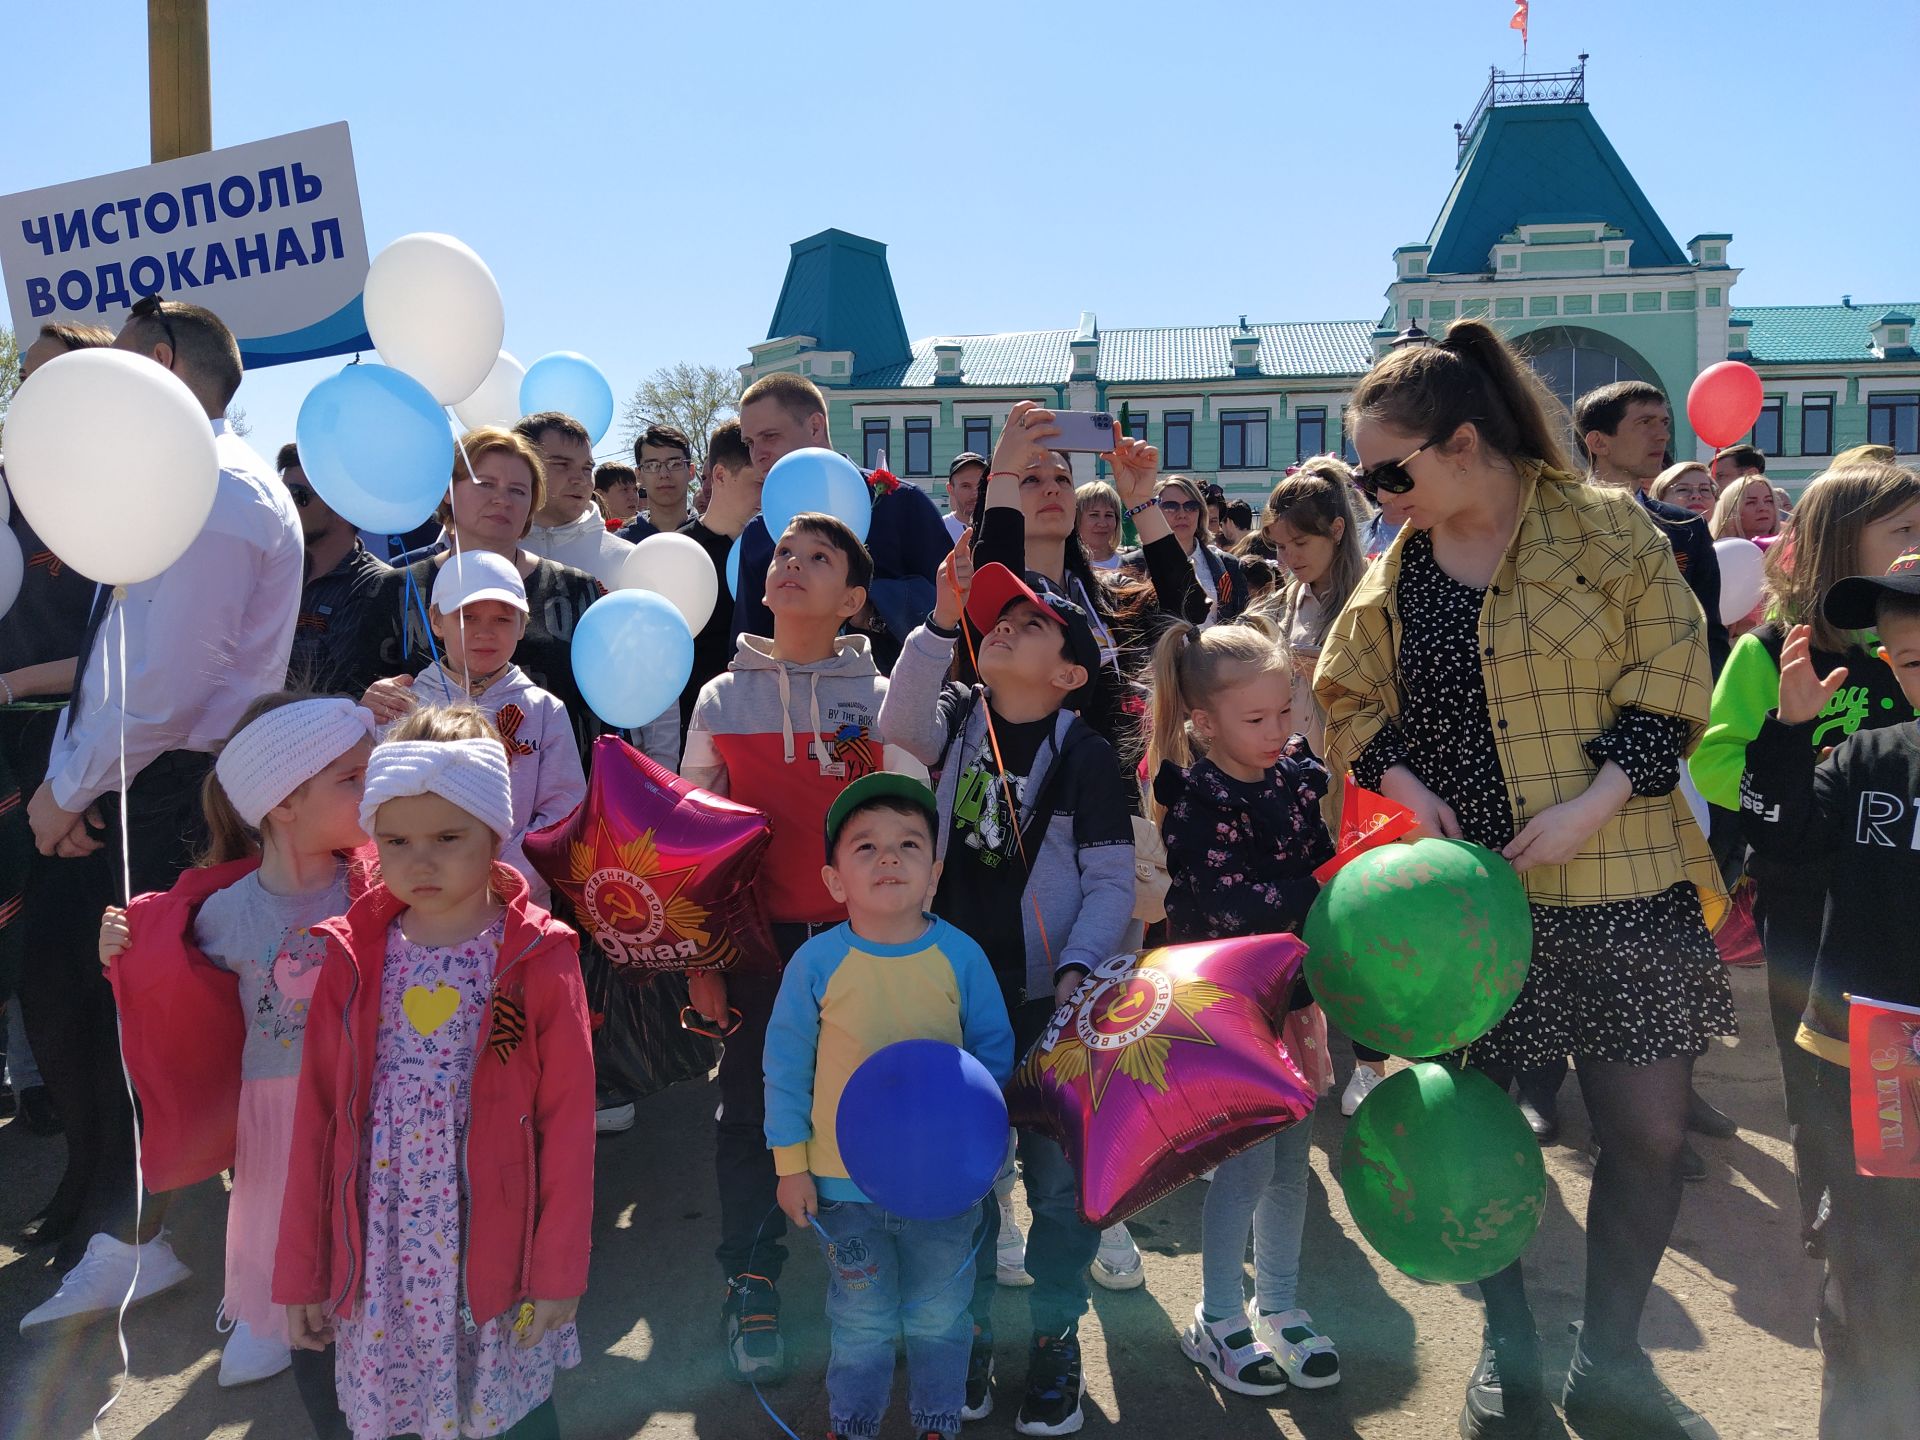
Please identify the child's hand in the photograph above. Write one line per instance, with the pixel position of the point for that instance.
(389, 700)
(1803, 694)
(707, 992)
(1064, 987)
(799, 1199)
(547, 1316)
(308, 1327)
(115, 938)
(955, 582)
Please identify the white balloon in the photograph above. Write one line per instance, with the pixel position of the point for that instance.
(497, 401)
(1743, 577)
(13, 567)
(674, 566)
(113, 463)
(434, 310)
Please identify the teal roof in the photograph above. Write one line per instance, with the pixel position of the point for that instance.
(1541, 164)
(1336, 348)
(1785, 334)
(839, 290)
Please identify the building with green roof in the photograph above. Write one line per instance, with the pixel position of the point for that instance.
(1544, 232)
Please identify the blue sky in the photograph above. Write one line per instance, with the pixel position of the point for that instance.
(634, 172)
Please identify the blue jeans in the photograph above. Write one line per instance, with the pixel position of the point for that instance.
(1060, 1246)
(1263, 1190)
(887, 1275)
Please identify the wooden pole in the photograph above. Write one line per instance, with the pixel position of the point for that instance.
(180, 97)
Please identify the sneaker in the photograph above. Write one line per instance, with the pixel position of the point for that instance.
(1118, 1266)
(751, 1315)
(95, 1287)
(1052, 1402)
(1231, 1352)
(1625, 1400)
(1010, 1251)
(1702, 1117)
(1307, 1356)
(1506, 1399)
(613, 1119)
(248, 1357)
(979, 1402)
(1359, 1085)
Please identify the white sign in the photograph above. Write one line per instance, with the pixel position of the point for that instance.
(266, 235)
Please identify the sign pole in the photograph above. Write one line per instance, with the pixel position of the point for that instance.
(179, 90)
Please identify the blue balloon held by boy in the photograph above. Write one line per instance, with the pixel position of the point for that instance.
(816, 481)
(922, 1129)
(632, 654)
(572, 384)
(377, 447)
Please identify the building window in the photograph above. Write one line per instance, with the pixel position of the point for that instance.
(1137, 424)
(874, 437)
(1176, 440)
(1766, 430)
(1894, 420)
(1816, 425)
(979, 433)
(919, 446)
(1243, 439)
(1309, 431)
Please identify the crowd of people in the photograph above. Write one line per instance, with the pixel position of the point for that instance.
(997, 746)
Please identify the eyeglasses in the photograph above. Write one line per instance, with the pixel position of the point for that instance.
(1178, 507)
(1390, 476)
(671, 467)
(152, 307)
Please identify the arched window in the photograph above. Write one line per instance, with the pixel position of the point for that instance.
(1573, 361)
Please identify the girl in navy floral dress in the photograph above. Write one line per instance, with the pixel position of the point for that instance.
(1241, 821)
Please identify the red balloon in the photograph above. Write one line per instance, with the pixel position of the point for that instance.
(659, 872)
(1724, 401)
(1162, 1065)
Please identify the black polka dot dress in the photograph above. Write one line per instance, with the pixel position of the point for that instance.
(1630, 980)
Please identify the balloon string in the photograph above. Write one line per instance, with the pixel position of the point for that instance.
(453, 539)
(418, 600)
(1006, 785)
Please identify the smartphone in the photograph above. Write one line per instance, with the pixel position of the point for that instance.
(1083, 430)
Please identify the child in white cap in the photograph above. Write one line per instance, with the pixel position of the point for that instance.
(440, 1199)
(214, 978)
(479, 614)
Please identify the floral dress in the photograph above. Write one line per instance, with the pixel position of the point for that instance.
(407, 1362)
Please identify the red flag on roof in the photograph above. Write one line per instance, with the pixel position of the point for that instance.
(1519, 20)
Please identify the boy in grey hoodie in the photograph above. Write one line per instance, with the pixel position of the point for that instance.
(1038, 848)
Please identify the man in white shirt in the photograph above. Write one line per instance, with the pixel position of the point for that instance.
(204, 639)
(569, 528)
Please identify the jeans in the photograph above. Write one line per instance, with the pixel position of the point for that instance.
(887, 1276)
(1263, 1190)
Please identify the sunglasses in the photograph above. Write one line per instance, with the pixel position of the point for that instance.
(152, 307)
(1390, 476)
(1179, 507)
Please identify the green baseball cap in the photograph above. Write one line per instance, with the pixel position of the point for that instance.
(881, 783)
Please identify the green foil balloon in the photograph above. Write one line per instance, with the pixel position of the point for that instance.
(1442, 1174)
(1419, 949)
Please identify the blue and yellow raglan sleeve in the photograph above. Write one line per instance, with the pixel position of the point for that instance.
(793, 1047)
(986, 1032)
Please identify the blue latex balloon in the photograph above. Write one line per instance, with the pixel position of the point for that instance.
(377, 448)
(816, 480)
(572, 384)
(922, 1129)
(632, 654)
(733, 565)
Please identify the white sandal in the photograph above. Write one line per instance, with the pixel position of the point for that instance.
(1296, 1355)
(1249, 1369)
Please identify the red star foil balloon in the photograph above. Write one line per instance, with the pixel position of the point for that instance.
(660, 873)
(1163, 1064)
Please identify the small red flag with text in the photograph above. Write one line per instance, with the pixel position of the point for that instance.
(1884, 1051)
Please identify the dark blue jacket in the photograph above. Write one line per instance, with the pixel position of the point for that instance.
(1699, 567)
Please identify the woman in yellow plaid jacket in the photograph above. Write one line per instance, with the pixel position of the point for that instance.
(1524, 669)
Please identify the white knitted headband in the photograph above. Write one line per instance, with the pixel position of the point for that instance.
(286, 747)
(469, 773)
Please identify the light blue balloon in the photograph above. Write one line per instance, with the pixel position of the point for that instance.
(632, 654)
(817, 480)
(377, 448)
(733, 565)
(572, 384)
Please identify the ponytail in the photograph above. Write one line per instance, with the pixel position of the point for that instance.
(1190, 666)
(228, 836)
(1167, 735)
(1471, 376)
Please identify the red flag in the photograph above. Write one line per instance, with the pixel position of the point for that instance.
(1884, 1050)
(1367, 821)
(1519, 20)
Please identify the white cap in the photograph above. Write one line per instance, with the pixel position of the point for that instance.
(473, 575)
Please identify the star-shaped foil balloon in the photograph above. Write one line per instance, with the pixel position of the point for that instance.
(660, 873)
(1163, 1064)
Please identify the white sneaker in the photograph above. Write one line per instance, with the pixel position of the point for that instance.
(1365, 1077)
(1010, 1253)
(1118, 1266)
(249, 1357)
(1304, 1353)
(613, 1119)
(96, 1286)
(1248, 1368)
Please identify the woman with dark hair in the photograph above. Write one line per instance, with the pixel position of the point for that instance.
(1524, 669)
(1219, 591)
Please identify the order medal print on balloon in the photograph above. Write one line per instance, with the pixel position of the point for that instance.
(638, 914)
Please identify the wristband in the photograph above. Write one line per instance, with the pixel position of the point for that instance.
(993, 475)
(934, 627)
(1141, 508)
